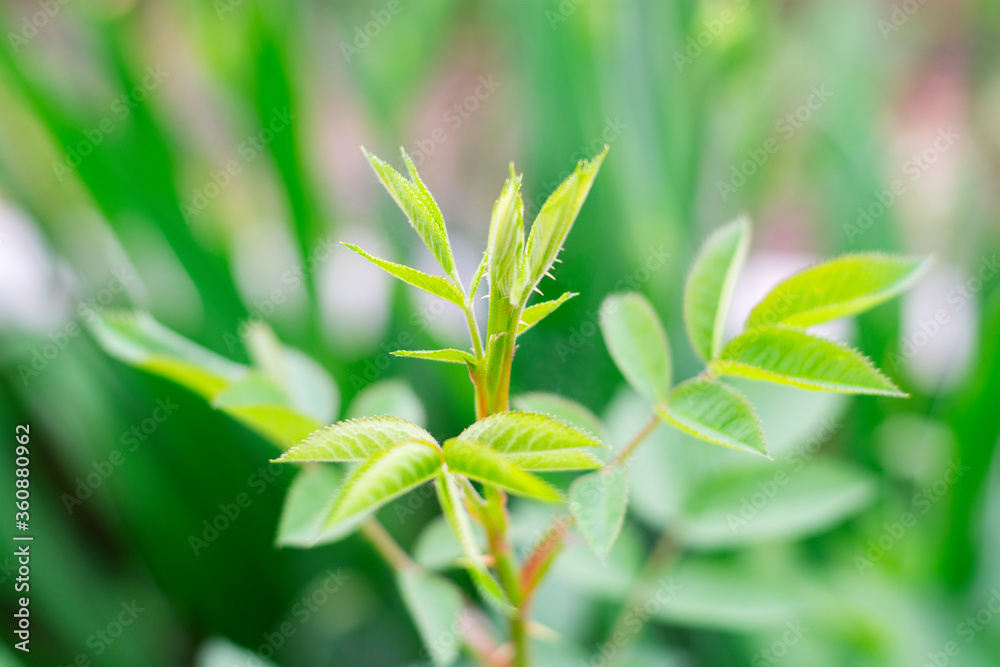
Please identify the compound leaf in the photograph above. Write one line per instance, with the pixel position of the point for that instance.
(791, 356)
(488, 466)
(714, 412)
(710, 286)
(836, 288)
(356, 439)
(638, 344)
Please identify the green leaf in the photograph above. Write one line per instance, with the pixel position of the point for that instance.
(477, 277)
(420, 208)
(791, 356)
(386, 475)
(597, 501)
(554, 220)
(436, 285)
(392, 397)
(434, 604)
(356, 440)
(638, 344)
(559, 459)
(837, 288)
(532, 315)
(307, 504)
(139, 340)
(506, 240)
(773, 503)
(449, 355)
(714, 412)
(450, 497)
(564, 409)
(520, 432)
(710, 286)
(488, 466)
(259, 403)
(307, 386)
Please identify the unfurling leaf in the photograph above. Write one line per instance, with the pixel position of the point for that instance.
(532, 315)
(139, 340)
(434, 604)
(710, 284)
(385, 476)
(714, 412)
(506, 241)
(837, 288)
(597, 501)
(638, 344)
(521, 432)
(436, 285)
(453, 508)
(791, 356)
(420, 208)
(355, 440)
(554, 220)
(486, 465)
(449, 355)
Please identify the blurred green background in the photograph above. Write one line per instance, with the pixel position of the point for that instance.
(200, 160)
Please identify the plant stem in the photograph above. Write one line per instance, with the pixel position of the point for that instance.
(470, 318)
(387, 547)
(627, 450)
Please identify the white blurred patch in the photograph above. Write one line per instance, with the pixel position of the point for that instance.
(762, 273)
(269, 272)
(34, 286)
(938, 329)
(354, 293)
